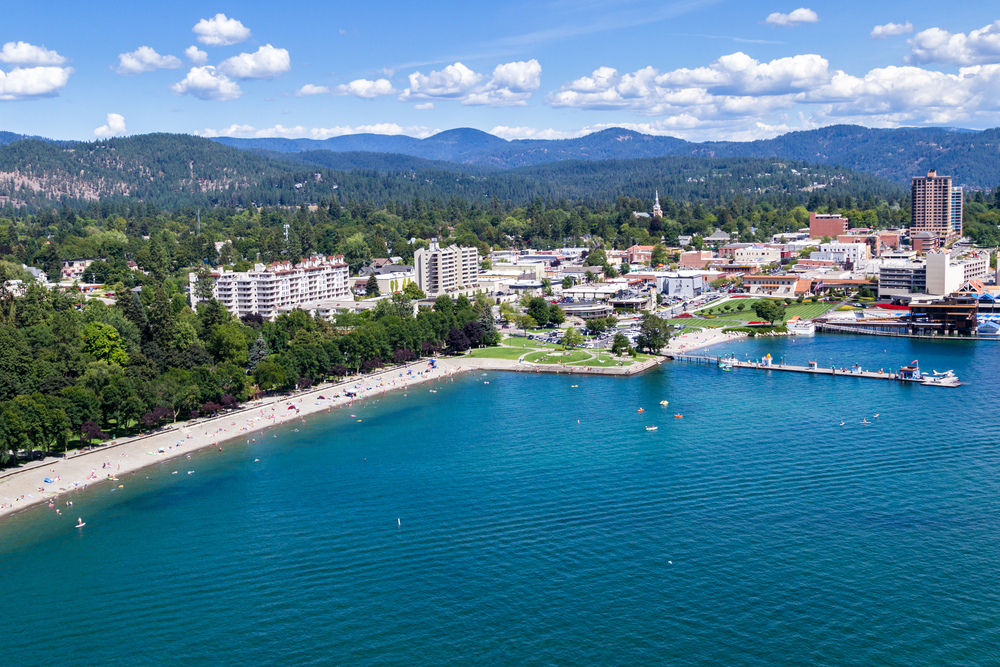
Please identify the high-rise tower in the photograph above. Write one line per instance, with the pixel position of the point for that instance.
(937, 207)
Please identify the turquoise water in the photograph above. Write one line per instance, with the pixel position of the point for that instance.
(540, 524)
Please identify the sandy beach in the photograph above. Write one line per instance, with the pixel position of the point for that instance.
(113, 463)
(70, 477)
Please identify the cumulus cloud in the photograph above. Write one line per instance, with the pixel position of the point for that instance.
(510, 85)
(265, 63)
(890, 29)
(145, 59)
(741, 98)
(299, 131)
(22, 53)
(220, 31)
(451, 83)
(115, 127)
(367, 89)
(979, 47)
(728, 86)
(206, 83)
(426, 106)
(800, 15)
(32, 82)
(509, 133)
(196, 55)
(310, 89)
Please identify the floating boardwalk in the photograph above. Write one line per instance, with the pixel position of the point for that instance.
(869, 375)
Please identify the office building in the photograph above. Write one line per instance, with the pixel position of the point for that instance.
(826, 225)
(937, 206)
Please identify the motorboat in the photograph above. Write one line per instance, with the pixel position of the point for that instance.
(651, 428)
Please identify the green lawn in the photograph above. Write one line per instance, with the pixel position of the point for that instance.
(714, 324)
(806, 310)
(607, 361)
(498, 353)
(543, 357)
(525, 344)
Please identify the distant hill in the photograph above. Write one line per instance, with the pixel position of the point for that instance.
(970, 156)
(172, 170)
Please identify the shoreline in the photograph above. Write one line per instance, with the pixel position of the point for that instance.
(24, 488)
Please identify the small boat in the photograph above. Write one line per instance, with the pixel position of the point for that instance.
(664, 403)
(651, 428)
(641, 410)
(678, 416)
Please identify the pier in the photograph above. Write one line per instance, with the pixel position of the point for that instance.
(834, 372)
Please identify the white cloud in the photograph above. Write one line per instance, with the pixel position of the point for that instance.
(726, 87)
(740, 98)
(367, 89)
(22, 53)
(511, 84)
(890, 29)
(310, 89)
(206, 83)
(266, 63)
(451, 83)
(317, 132)
(145, 59)
(220, 31)
(115, 127)
(418, 131)
(426, 106)
(800, 15)
(979, 47)
(196, 55)
(32, 82)
(505, 132)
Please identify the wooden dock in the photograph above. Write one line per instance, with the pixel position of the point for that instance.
(834, 372)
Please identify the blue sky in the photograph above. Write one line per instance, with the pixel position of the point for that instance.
(696, 69)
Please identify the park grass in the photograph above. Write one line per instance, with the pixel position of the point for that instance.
(542, 358)
(805, 311)
(607, 361)
(696, 322)
(526, 344)
(497, 353)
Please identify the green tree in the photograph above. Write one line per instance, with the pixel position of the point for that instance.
(768, 310)
(556, 314)
(371, 287)
(567, 282)
(538, 308)
(257, 353)
(654, 333)
(572, 338)
(619, 344)
(356, 252)
(270, 376)
(413, 292)
(103, 343)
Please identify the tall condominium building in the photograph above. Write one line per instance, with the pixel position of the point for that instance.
(445, 270)
(266, 289)
(937, 206)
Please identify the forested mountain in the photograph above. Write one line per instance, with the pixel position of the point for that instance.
(171, 171)
(897, 154)
(381, 162)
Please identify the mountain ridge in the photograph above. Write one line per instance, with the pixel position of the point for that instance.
(898, 154)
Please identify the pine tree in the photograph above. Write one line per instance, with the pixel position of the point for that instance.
(371, 287)
(257, 353)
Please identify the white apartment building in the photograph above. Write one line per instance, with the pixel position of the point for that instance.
(267, 289)
(446, 270)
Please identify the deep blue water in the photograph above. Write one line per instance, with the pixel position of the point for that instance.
(538, 522)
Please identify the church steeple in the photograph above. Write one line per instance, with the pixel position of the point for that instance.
(657, 211)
